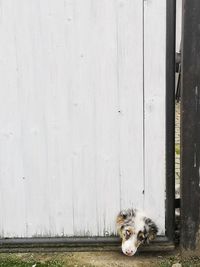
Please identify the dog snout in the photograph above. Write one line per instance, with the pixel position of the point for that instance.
(129, 247)
(130, 251)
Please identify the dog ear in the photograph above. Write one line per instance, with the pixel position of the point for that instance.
(124, 216)
(151, 230)
(121, 218)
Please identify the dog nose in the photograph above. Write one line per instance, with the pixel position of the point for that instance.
(129, 252)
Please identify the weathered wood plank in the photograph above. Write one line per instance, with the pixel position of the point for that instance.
(130, 84)
(178, 24)
(77, 244)
(71, 101)
(154, 109)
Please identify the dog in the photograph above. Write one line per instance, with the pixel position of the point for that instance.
(134, 229)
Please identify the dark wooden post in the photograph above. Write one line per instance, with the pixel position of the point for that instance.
(170, 102)
(190, 129)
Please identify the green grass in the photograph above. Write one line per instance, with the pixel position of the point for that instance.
(193, 262)
(28, 260)
(20, 263)
(38, 260)
(177, 149)
(59, 260)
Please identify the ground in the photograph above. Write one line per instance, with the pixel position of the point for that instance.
(92, 259)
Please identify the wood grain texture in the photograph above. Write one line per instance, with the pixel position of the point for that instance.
(154, 109)
(75, 147)
(130, 84)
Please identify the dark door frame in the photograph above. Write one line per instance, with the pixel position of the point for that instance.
(190, 128)
(170, 118)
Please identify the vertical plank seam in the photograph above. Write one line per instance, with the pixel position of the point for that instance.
(144, 173)
(118, 100)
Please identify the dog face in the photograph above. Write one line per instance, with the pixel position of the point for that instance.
(130, 240)
(135, 229)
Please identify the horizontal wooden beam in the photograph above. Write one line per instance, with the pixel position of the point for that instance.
(76, 244)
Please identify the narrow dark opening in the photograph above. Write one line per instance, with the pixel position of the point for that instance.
(177, 117)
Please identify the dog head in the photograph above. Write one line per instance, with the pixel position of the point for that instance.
(135, 229)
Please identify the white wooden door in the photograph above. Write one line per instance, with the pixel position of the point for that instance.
(82, 114)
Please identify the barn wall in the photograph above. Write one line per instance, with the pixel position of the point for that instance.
(82, 115)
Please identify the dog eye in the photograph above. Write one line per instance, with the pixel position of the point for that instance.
(127, 234)
(140, 236)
